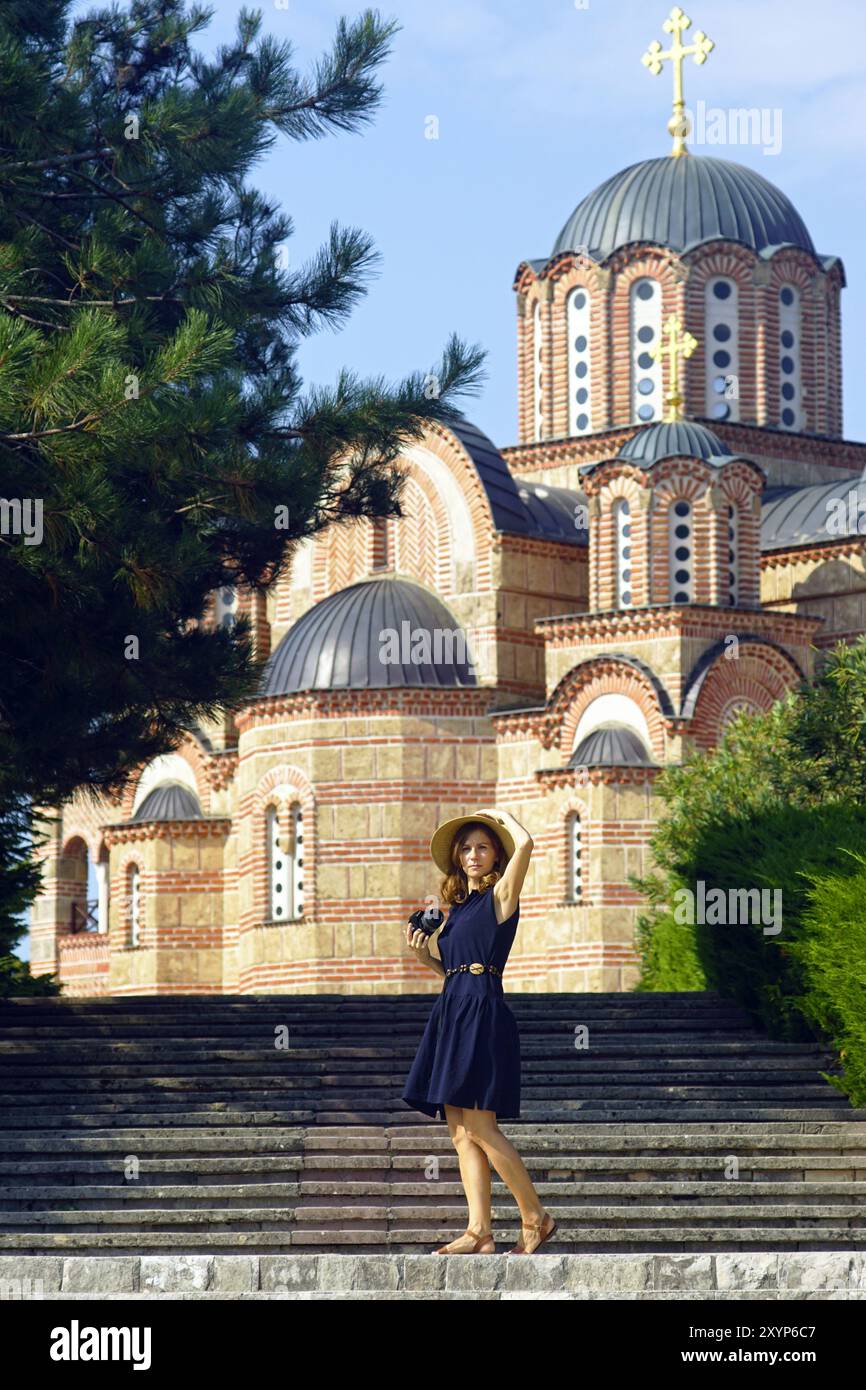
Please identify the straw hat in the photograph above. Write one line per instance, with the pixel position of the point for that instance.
(443, 838)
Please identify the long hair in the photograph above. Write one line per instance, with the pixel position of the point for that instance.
(455, 885)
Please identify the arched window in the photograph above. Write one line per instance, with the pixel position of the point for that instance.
(622, 531)
(681, 568)
(285, 866)
(722, 349)
(297, 861)
(102, 890)
(646, 373)
(537, 370)
(226, 607)
(790, 389)
(575, 857)
(278, 870)
(579, 374)
(134, 892)
(733, 556)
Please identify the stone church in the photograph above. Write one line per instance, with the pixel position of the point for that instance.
(675, 534)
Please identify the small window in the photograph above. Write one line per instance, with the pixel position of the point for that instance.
(680, 547)
(285, 865)
(622, 531)
(646, 372)
(722, 392)
(134, 892)
(575, 858)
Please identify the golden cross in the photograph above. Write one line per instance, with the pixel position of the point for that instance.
(679, 344)
(675, 24)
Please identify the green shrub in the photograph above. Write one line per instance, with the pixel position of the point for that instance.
(830, 951)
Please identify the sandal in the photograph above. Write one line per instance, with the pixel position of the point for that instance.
(520, 1249)
(478, 1241)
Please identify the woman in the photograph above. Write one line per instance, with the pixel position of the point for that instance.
(468, 1062)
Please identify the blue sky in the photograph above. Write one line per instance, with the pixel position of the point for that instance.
(537, 104)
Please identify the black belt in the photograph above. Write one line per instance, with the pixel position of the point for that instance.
(475, 969)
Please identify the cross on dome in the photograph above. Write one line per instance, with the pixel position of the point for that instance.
(676, 23)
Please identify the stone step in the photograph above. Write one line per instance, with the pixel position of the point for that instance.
(569, 1239)
(246, 1149)
(714, 1276)
(391, 1043)
(408, 1009)
(39, 1084)
(755, 1167)
(414, 1218)
(236, 1005)
(407, 1146)
(349, 1195)
(143, 1110)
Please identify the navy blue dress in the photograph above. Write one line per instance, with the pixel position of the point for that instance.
(470, 1052)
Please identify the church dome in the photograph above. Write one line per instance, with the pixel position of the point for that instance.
(169, 801)
(677, 439)
(680, 203)
(611, 745)
(337, 644)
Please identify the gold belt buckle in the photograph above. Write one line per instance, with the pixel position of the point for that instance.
(476, 969)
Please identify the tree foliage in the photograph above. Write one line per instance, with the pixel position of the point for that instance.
(151, 408)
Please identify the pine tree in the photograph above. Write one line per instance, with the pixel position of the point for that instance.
(156, 442)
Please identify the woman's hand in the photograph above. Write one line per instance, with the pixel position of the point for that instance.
(420, 943)
(510, 822)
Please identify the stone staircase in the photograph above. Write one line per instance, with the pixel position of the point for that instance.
(194, 1129)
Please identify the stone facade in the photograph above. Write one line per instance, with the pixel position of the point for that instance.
(331, 791)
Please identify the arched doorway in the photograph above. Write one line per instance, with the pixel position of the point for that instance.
(78, 887)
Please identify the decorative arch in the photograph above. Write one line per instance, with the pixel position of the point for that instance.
(738, 312)
(449, 554)
(129, 857)
(794, 270)
(571, 875)
(278, 789)
(612, 708)
(578, 315)
(167, 767)
(617, 529)
(760, 673)
(616, 674)
(627, 266)
(72, 882)
(680, 529)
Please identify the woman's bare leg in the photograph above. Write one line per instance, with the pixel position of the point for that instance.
(475, 1176)
(484, 1132)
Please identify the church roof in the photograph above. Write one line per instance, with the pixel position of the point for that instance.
(336, 644)
(682, 203)
(675, 439)
(169, 801)
(799, 515)
(523, 508)
(611, 745)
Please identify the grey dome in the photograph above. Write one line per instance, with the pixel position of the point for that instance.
(545, 502)
(611, 745)
(681, 203)
(801, 515)
(677, 439)
(169, 801)
(335, 645)
(527, 509)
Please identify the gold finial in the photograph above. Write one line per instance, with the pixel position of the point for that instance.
(679, 344)
(675, 24)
